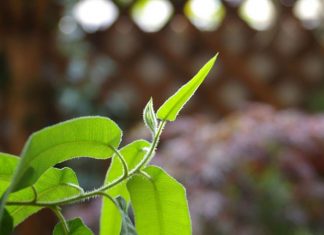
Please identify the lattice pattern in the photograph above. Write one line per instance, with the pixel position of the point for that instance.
(281, 66)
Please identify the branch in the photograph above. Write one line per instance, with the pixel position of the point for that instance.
(58, 213)
(121, 158)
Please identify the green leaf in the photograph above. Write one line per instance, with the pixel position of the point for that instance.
(55, 184)
(80, 137)
(110, 221)
(159, 203)
(127, 227)
(171, 108)
(8, 164)
(150, 117)
(76, 227)
(6, 224)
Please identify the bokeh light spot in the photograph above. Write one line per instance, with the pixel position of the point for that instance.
(206, 15)
(151, 15)
(258, 14)
(67, 25)
(93, 15)
(310, 12)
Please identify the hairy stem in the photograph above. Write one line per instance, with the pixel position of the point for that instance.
(121, 158)
(77, 187)
(58, 213)
(106, 195)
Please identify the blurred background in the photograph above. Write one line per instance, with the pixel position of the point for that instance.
(248, 147)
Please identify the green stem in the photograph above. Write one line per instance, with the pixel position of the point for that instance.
(143, 173)
(155, 142)
(102, 189)
(145, 160)
(58, 213)
(108, 197)
(35, 194)
(77, 187)
(121, 158)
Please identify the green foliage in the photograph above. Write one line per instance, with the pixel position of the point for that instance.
(159, 203)
(6, 225)
(76, 227)
(149, 117)
(53, 185)
(80, 137)
(30, 183)
(8, 164)
(133, 154)
(171, 108)
(127, 227)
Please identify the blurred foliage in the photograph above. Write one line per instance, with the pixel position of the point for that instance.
(259, 171)
(315, 102)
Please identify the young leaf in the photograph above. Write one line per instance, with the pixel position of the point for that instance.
(110, 221)
(127, 225)
(159, 203)
(55, 184)
(6, 224)
(80, 137)
(150, 117)
(171, 108)
(76, 226)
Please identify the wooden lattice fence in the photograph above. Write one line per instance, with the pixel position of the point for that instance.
(281, 66)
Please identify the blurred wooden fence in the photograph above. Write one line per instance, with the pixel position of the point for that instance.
(281, 66)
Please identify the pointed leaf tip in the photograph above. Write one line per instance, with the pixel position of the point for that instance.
(171, 108)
